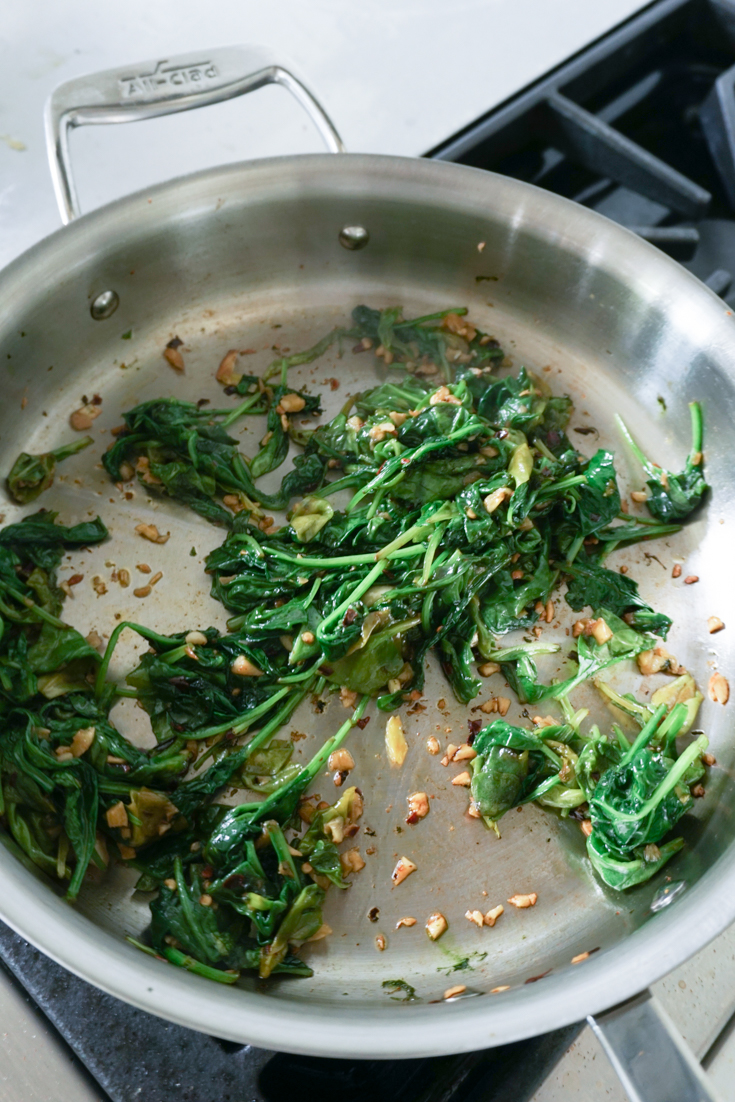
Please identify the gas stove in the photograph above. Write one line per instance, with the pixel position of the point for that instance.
(639, 126)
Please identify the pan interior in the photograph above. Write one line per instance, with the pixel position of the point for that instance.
(565, 336)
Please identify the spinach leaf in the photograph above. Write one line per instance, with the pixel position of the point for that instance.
(595, 586)
(32, 474)
(674, 496)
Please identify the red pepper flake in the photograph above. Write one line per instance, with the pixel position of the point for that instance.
(234, 883)
(362, 723)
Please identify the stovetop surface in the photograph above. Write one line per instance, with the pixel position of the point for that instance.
(640, 127)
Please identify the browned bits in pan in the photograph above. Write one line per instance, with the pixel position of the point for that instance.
(172, 355)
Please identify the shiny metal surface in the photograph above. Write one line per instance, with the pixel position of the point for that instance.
(354, 237)
(104, 305)
(649, 1054)
(249, 257)
(164, 86)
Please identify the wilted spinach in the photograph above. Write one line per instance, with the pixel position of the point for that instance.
(671, 496)
(468, 505)
(32, 474)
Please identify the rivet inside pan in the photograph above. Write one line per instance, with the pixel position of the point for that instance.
(353, 237)
(104, 305)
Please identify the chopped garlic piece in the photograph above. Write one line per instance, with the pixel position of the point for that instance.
(523, 901)
(436, 925)
(403, 869)
(395, 741)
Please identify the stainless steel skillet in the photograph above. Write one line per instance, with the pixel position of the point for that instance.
(251, 256)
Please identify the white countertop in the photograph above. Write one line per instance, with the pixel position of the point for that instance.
(397, 76)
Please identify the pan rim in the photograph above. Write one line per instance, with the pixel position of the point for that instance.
(608, 978)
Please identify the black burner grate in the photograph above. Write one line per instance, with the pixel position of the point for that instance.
(640, 127)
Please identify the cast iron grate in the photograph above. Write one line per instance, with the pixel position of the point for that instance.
(640, 126)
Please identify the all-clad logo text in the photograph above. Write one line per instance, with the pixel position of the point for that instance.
(165, 77)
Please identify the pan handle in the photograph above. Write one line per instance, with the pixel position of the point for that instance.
(161, 87)
(649, 1055)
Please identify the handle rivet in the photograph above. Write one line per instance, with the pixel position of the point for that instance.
(353, 237)
(105, 305)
